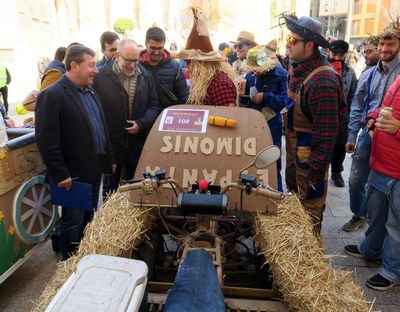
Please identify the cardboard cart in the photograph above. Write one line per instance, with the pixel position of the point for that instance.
(27, 216)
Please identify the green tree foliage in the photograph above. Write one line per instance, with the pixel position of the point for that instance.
(123, 24)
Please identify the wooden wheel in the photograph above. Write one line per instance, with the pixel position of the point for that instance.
(33, 213)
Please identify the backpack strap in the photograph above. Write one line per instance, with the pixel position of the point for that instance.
(317, 70)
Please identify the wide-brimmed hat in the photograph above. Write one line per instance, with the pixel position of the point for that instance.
(246, 37)
(198, 46)
(260, 60)
(339, 46)
(272, 45)
(306, 27)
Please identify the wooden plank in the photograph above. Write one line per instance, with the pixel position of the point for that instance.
(157, 301)
(251, 292)
(227, 290)
(234, 304)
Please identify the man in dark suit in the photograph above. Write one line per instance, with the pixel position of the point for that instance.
(130, 103)
(72, 138)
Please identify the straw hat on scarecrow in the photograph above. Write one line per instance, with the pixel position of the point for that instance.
(261, 59)
(204, 62)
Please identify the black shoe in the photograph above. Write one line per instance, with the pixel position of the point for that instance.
(55, 243)
(354, 223)
(337, 179)
(378, 282)
(352, 250)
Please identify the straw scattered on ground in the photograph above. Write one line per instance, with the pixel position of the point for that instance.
(301, 271)
(115, 230)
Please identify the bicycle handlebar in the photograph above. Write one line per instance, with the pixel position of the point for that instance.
(267, 192)
(152, 184)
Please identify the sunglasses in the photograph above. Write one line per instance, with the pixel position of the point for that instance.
(292, 40)
(239, 46)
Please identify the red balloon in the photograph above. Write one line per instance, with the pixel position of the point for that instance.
(203, 185)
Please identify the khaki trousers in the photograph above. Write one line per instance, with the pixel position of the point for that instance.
(296, 180)
(290, 171)
(316, 206)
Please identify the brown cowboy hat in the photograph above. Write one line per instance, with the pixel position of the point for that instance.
(246, 37)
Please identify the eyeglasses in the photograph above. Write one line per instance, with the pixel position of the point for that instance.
(366, 52)
(239, 46)
(112, 50)
(128, 62)
(159, 49)
(292, 40)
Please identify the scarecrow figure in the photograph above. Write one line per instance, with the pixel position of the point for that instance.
(212, 78)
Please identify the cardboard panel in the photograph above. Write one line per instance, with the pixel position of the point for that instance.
(217, 154)
(18, 165)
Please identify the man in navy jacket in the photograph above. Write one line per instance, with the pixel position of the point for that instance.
(159, 63)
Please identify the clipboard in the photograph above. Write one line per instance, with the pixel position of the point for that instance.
(79, 196)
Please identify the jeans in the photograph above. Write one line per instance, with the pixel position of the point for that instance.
(339, 150)
(382, 238)
(196, 286)
(111, 181)
(131, 159)
(338, 156)
(359, 174)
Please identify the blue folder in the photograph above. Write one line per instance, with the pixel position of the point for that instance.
(79, 196)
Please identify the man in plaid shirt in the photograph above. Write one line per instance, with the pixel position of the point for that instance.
(314, 115)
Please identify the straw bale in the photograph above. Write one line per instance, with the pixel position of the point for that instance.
(115, 230)
(301, 271)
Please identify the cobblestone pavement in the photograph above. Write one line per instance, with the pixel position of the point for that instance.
(336, 214)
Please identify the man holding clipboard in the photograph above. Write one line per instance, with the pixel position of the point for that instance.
(73, 142)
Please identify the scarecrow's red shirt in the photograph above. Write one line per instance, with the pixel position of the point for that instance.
(221, 91)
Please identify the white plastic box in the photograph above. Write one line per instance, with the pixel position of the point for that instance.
(102, 283)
